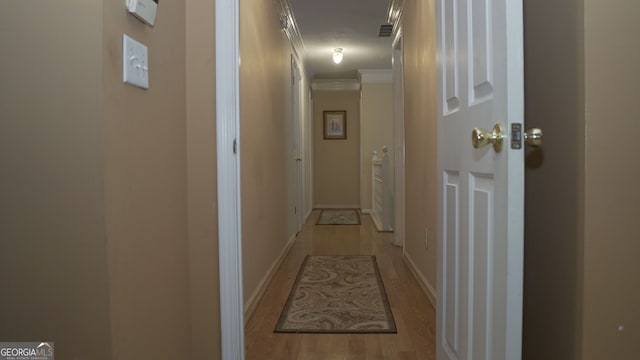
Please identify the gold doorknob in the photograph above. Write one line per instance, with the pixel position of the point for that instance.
(533, 137)
(481, 138)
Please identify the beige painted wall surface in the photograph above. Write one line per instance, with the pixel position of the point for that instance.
(265, 140)
(202, 180)
(336, 165)
(376, 120)
(553, 98)
(52, 230)
(612, 195)
(145, 187)
(420, 129)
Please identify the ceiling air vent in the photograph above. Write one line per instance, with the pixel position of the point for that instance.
(385, 30)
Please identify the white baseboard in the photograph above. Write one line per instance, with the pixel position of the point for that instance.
(251, 304)
(355, 206)
(425, 285)
(308, 215)
(366, 211)
(376, 222)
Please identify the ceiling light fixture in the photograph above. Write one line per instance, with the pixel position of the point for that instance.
(337, 55)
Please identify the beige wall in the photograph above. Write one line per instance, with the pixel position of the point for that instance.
(612, 197)
(421, 184)
(53, 255)
(145, 188)
(552, 90)
(265, 140)
(579, 226)
(94, 183)
(336, 162)
(202, 180)
(376, 122)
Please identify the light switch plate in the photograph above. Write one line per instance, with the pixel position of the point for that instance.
(135, 63)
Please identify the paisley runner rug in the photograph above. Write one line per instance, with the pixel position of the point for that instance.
(337, 294)
(339, 217)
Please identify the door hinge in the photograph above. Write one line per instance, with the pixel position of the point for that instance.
(235, 146)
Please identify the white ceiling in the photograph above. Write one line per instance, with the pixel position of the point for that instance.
(349, 24)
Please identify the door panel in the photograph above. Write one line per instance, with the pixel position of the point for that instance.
(480, 50)
(481, 278)
(451, 245)
(450, 62)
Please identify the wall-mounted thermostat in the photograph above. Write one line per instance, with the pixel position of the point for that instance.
(145, 10)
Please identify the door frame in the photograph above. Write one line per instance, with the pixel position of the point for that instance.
(228, 156)
(298, 150)
(398, 140)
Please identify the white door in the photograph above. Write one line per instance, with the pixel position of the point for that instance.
(480, 260)
(297, 146)
(398, 144)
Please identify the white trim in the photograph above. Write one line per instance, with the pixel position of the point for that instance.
(297, 190)
(311, 159)
(425, 285)
(229, 204)
(376, 76)
(293, 30)
(354, 206)
(376, 222)
(308, 215)
(399, 141)
(363, 127)
(335, 85)
(366, 211)
(395, 12)
(515, 181)
(397, 37)
(254, 299)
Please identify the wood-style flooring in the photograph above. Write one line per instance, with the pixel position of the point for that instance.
(415, 317)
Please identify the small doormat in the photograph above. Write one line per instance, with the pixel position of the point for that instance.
(337, 294)
(339, 217)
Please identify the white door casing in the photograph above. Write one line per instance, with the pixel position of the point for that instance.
(228, 156)
(481, 200)
(398, 142)
(297, 151)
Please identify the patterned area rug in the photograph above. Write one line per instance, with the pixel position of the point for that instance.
(337, 294)
(339, 217)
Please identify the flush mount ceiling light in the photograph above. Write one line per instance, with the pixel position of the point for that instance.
(337, 55)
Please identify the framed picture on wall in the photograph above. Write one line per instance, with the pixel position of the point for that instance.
(335, 125)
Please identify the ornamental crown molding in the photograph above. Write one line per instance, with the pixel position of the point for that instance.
(335, 85)
(291, 29)
(376, 76)
(394, 15)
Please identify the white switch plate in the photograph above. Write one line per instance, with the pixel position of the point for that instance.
(135, 63)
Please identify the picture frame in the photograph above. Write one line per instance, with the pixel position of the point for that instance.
(334, 125)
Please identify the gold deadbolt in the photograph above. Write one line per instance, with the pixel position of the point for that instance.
(481, 138)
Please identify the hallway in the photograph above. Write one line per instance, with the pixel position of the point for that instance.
(414, 315)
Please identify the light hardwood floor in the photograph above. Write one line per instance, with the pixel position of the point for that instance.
(414, 315)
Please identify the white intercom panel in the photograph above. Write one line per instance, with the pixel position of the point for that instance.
(145, 10)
